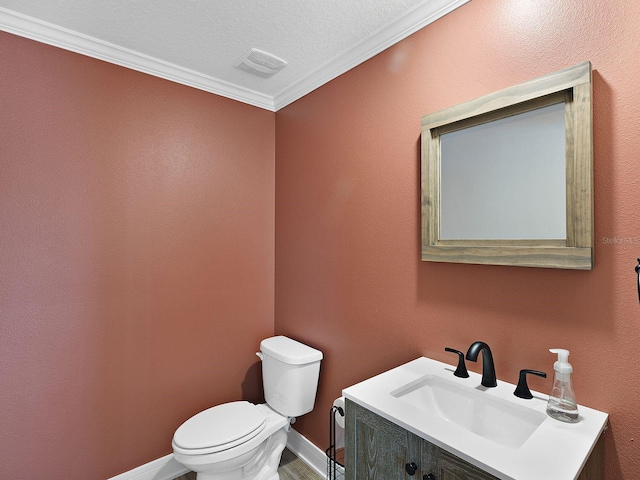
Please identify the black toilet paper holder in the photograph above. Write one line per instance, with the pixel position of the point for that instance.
(335, 456)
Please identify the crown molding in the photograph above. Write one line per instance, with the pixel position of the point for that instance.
(57, 36)
(424, 14)
(427, 12)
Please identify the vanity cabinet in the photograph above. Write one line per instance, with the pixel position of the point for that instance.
(450, 467)
(377, 449)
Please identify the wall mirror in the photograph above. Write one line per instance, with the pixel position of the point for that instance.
(507, 179)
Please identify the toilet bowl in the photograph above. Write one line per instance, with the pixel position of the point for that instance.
(221, 442)
(243, 441)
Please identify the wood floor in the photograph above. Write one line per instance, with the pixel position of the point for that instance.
(291, 468)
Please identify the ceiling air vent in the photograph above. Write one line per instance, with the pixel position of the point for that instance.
(260, 63)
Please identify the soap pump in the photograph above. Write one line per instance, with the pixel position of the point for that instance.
(562, 401)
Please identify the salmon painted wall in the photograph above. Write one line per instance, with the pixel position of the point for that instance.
(349, 279)
(136, 259)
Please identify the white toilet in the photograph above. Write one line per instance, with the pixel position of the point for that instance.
(243, 441)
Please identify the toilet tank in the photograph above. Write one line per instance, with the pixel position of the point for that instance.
(290, 372)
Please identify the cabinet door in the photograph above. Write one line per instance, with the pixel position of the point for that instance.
(450, 467)
(377, 449)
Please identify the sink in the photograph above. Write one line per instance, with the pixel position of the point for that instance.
(506, 436)
(472, 409)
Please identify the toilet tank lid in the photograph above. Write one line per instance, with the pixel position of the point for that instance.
(289, 351)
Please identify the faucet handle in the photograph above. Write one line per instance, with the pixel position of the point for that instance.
(522, 390)
(461, 370)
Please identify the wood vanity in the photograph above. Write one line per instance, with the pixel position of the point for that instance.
(376, 448)
(419, 421)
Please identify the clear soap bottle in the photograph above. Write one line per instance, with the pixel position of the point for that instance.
(562, 401)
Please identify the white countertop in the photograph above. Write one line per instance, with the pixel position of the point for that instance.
(556, 450)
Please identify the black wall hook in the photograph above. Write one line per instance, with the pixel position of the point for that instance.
(638, 274)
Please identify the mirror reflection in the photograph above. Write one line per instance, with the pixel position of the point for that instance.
(505, 179)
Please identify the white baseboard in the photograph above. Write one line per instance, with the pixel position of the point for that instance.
(165, 468)
(307, 452)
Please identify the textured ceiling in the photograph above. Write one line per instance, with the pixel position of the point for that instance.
(197, 42)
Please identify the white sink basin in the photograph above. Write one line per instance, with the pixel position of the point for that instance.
(509, 437)
(490, 417)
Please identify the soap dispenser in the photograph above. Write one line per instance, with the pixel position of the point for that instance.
(562, 401)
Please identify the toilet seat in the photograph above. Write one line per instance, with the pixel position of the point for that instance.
(220, 428)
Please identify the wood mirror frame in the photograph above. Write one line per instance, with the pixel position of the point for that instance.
(572, 87)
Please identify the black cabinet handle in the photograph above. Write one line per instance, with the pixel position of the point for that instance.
(429, 477)
(411, 468)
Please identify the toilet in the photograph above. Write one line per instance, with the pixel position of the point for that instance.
(243, 441)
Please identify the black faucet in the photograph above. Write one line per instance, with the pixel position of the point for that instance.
(461, 371)
(488, 369)
(522, 390)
